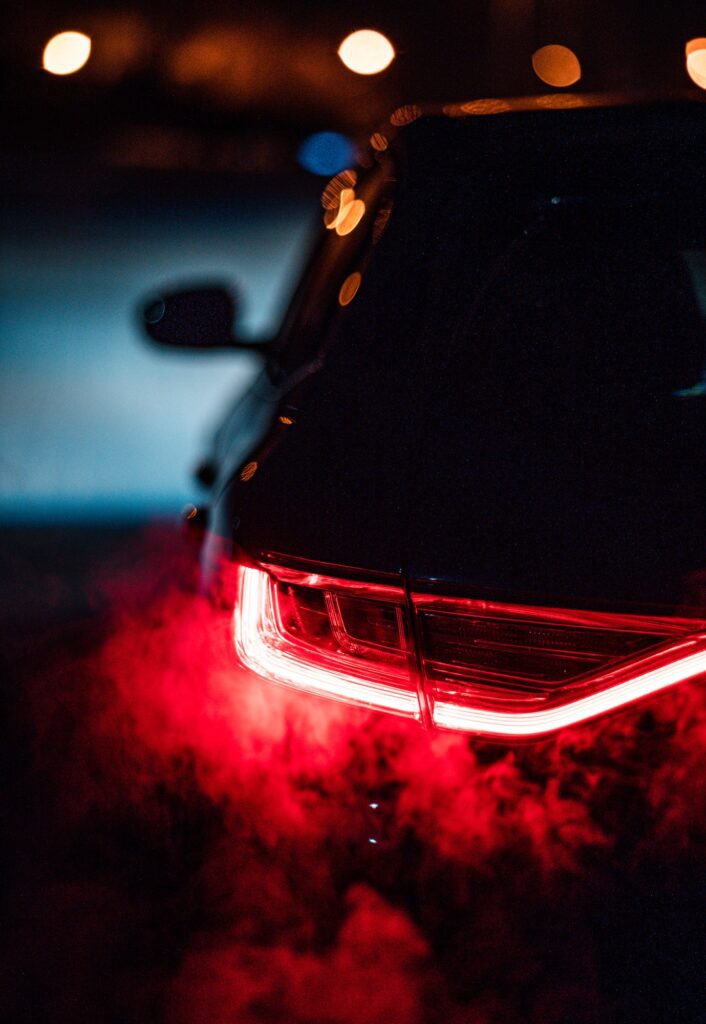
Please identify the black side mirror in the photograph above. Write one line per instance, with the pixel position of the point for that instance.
(193, 318)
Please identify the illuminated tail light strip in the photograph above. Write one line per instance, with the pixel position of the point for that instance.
(680, 662)
(264, 645)
(351, 641)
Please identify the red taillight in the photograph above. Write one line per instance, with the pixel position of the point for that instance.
(516, 670)
(332, 637)
(478, 666)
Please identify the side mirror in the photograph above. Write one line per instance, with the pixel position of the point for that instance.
(195, 318)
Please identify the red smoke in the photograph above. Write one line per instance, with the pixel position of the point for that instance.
(325, 864)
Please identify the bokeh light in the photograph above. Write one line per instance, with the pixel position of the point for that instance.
(349, 288)
(366, 52)
(349, 214)
(379, 142)
(326, 153)
(66, 53)
(331, 195)
(405, 115)
(556, 65)
(696, 61)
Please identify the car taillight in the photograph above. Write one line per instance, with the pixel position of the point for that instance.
(485, 667)
(333, 637)
(516, 670)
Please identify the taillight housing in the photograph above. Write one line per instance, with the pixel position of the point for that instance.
(333, 637)
(485, 667)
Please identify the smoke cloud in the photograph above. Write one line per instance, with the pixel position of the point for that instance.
(217, 850)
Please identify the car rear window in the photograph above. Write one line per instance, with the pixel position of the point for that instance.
(525, 353)
(574, 257)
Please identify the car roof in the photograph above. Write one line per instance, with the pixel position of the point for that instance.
(488, 106)
(567, 138)
(543, 111)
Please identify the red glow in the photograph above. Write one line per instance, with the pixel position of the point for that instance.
(481, 702)
(263, 647)
(676, 664)
(495, 869)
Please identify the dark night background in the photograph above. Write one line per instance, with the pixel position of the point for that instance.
(184, 845)
(172, 155)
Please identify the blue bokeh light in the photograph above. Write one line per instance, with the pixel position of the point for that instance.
(326, 153)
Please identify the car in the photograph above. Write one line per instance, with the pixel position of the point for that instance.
(469, 484)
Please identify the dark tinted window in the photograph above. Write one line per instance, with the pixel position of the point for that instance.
(578, 229)
(522, 365)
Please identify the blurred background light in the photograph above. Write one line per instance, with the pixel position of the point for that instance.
(696, 61)
(366, 52)
(66, 53)
(326, 153)
(176, 164)
(556, 65)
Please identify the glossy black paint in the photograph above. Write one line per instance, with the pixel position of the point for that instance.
(386, 448)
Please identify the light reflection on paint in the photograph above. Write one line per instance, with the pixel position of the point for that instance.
(378, 141)
(330, 197)
(405, 115)
(382, 219)
(484, 107)
(349, 288)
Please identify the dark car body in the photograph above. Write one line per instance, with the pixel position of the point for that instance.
(512, 404)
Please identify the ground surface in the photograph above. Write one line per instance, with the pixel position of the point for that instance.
(186, 845)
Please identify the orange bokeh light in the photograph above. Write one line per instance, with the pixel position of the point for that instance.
(66, 53)
(349, 214)
(556, 65)
(331, 195)
(349, 288)
(696, 61)
(366, 52)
